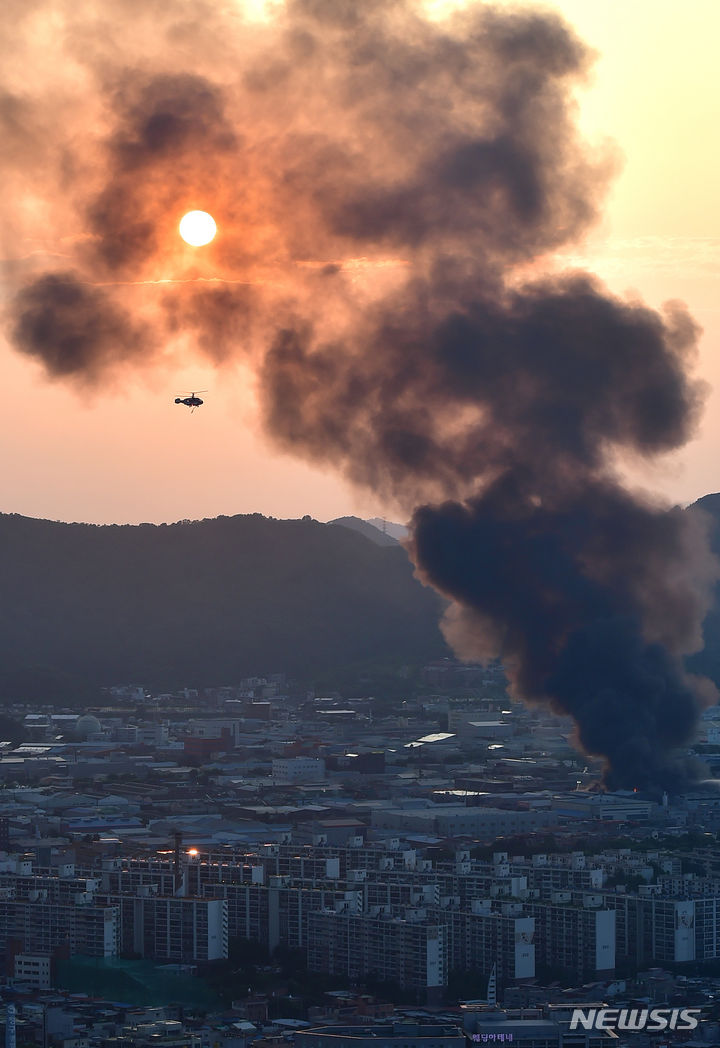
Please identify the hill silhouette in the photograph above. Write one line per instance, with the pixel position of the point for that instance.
(207, 602)
(368, 529)
(203, 602)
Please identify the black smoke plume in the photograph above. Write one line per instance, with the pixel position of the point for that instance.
(390, 190)
(578, 596)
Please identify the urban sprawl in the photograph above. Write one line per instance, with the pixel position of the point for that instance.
(259, 864)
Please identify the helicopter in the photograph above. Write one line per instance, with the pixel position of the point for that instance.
(190, 400)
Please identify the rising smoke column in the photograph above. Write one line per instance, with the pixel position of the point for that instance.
(515, 406)
(390, 189)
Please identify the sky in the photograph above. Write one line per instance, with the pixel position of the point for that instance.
(118, 449)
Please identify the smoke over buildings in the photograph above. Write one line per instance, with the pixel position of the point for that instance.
(389, 190)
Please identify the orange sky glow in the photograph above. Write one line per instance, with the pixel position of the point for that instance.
(116, 448)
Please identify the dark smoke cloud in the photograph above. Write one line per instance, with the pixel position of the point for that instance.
(388, 189)
(76, 328)
(542, 379)
(580, 597)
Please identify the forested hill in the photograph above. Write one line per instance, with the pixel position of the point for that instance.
(210, 601)
(206, 602)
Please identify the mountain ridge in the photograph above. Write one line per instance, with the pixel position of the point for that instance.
(368, 528)
(209, 601)
(206, 601)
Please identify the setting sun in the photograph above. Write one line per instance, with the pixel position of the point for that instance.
(197, 228)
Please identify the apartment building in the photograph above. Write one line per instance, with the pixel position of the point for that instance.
(40, 924)
(171, 928)
(652, 929)
(44, 910)
(574, 932)
(492, 936)
(33, 970)
(409, 950)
